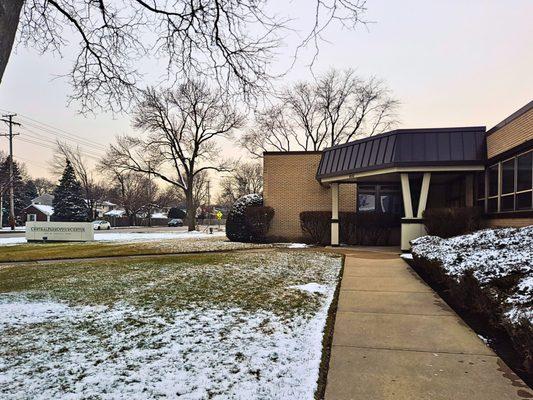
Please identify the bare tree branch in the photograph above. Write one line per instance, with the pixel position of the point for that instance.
(181, 131)
(234, 42)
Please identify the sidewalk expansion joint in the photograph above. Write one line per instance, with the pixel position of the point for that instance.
(414, 350)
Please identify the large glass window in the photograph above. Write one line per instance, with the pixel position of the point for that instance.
(510, 185)
(524, 172)
(366, 202)
(523, 200)
(390, 199)
(508, 176)
(493, 180)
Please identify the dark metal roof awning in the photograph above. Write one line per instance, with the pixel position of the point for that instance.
(406, 148)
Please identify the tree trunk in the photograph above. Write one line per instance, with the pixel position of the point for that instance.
(9, 21)
(191, 209)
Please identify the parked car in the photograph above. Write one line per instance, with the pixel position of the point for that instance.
(100, 225)
(175, 222)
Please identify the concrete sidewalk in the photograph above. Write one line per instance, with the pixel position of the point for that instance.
(395, 338)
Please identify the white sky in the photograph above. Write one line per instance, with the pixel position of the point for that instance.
(450, 63)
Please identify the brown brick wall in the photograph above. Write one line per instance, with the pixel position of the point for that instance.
(290, 187)
(513, 134)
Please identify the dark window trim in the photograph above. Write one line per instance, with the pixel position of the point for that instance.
(500, 194)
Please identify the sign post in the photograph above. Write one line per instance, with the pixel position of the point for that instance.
(219, 218)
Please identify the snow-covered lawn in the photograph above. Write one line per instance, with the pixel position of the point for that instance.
(131, 237)
(209, 326)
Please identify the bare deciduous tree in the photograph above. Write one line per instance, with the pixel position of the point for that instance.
(337, 108)
(232, 41)
(132, 191)
(245, 178)
(271, 132)
(181, 130)
(44, 185)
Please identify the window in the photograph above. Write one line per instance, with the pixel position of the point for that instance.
(32, 217)
(390, 199)
(493, 180)
(508, 176)
(524, 172)
(510, 185)
(366, 202)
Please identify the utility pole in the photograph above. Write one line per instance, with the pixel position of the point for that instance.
(208, 209)
(149, 195)
(8, 119)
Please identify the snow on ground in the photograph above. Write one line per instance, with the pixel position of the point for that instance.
(406, 256)
(53, 347)
(132, 237)
(17, 228)
(490, 255)
(298, 246)
(311, 288)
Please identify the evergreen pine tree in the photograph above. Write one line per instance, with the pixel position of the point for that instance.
(19, 197)
(29, 192)
(69, 203)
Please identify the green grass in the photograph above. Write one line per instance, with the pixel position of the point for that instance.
(248, 281)
(54, 251)
(98, 328)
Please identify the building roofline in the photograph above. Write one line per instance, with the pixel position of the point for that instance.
(521, 111)
(413, 130)
(282, 153)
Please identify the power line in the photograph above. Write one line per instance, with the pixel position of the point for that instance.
(59, 132)
(34, 135)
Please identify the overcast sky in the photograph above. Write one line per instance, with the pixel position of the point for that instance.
(450, 63)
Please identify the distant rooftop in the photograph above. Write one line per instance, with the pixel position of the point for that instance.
(45, 199)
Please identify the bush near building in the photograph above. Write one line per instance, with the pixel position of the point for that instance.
(448, 222)
(488, 273)
(363, 228)
(248, 220)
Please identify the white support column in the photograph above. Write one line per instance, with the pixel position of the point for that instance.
(412, 225)
(334, 214)
(424, 190)
(406, 194)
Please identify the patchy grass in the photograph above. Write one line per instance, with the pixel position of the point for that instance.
(53, 251)
(232, 325)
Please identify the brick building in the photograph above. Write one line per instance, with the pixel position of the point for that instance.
(406, 171)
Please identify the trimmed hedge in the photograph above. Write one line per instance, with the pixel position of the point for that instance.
(316, 226)
(248, 220)
(468, 295)
(366, 228)
(258, 219)
(451, 221)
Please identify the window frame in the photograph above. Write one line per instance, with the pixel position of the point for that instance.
(500, 195)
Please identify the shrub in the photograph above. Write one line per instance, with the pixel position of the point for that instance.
(372, 228)
(248, 220)
(366, 228)
(448, 222)
(316, 226)
(258, 220)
